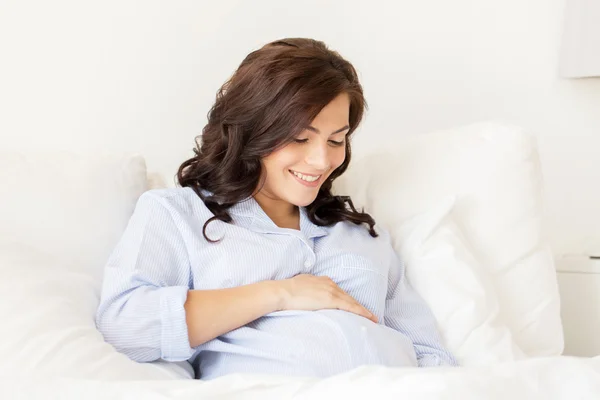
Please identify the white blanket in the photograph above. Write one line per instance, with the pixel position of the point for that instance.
(566, 378)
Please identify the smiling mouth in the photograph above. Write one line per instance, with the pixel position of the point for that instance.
(305, 177)
(311, 181)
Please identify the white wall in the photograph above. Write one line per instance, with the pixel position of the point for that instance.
(141, 75)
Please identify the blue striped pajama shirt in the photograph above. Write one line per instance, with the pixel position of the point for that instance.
(162, 254)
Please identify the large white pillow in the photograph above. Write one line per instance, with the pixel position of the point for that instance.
(48, 329)
(61, 216)
(69, 205)
(444, 271)
(493, 171)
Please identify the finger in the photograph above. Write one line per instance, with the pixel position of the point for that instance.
(355, 307)
(364, 311)
(374, 318)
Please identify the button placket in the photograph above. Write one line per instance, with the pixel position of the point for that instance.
(309, 261)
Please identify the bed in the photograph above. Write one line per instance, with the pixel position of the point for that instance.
(464, 207)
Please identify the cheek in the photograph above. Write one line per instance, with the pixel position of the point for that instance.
(280, 160)
(337, 158)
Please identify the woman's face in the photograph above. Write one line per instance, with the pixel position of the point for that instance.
(295, 172)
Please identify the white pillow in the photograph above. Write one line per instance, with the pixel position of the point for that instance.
(69, 205)
(444, 271)
(47, 313)
(493, 171)
(61, 216)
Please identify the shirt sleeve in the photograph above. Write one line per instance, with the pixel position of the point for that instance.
(407, 312)
(146, 281)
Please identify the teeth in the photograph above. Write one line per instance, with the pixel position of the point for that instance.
(306, 177)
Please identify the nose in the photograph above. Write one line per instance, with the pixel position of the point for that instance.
(318, 156)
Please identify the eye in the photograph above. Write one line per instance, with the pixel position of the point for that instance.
(300, 140)
(334, 143)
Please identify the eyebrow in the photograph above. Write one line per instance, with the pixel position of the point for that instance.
(312, 128)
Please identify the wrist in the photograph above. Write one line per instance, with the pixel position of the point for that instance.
(277, 294)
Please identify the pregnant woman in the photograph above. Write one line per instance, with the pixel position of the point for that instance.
(251, 264)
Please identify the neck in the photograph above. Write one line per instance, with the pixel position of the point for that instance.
(282, 213)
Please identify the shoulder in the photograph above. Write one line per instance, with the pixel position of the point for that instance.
(360, 232)
(179, 201)
(353, 237)
(355, 240)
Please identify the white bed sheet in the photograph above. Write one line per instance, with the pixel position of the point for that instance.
(542, 378)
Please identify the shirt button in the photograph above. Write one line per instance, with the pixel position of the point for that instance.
(307, 264)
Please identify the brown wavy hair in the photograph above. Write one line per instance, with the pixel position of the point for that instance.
(272, 97)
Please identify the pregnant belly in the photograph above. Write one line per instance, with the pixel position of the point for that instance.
(316, 343)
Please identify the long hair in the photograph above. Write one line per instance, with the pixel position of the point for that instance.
(273, 95)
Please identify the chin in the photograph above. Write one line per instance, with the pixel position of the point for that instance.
(303, 200)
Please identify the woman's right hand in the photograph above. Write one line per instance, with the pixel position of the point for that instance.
(309, 292)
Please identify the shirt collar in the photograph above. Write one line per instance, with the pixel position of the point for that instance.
(254, 218)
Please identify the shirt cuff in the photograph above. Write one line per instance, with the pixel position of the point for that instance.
(434, 360)
(174, 341)
(429, 360)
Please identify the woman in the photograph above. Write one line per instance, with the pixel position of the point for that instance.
(252, 265)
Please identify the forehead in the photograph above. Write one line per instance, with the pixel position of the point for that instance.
(336, 112)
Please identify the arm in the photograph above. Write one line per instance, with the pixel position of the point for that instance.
(240, 305)
(406, 312)
(228, 309)
(147, 310)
